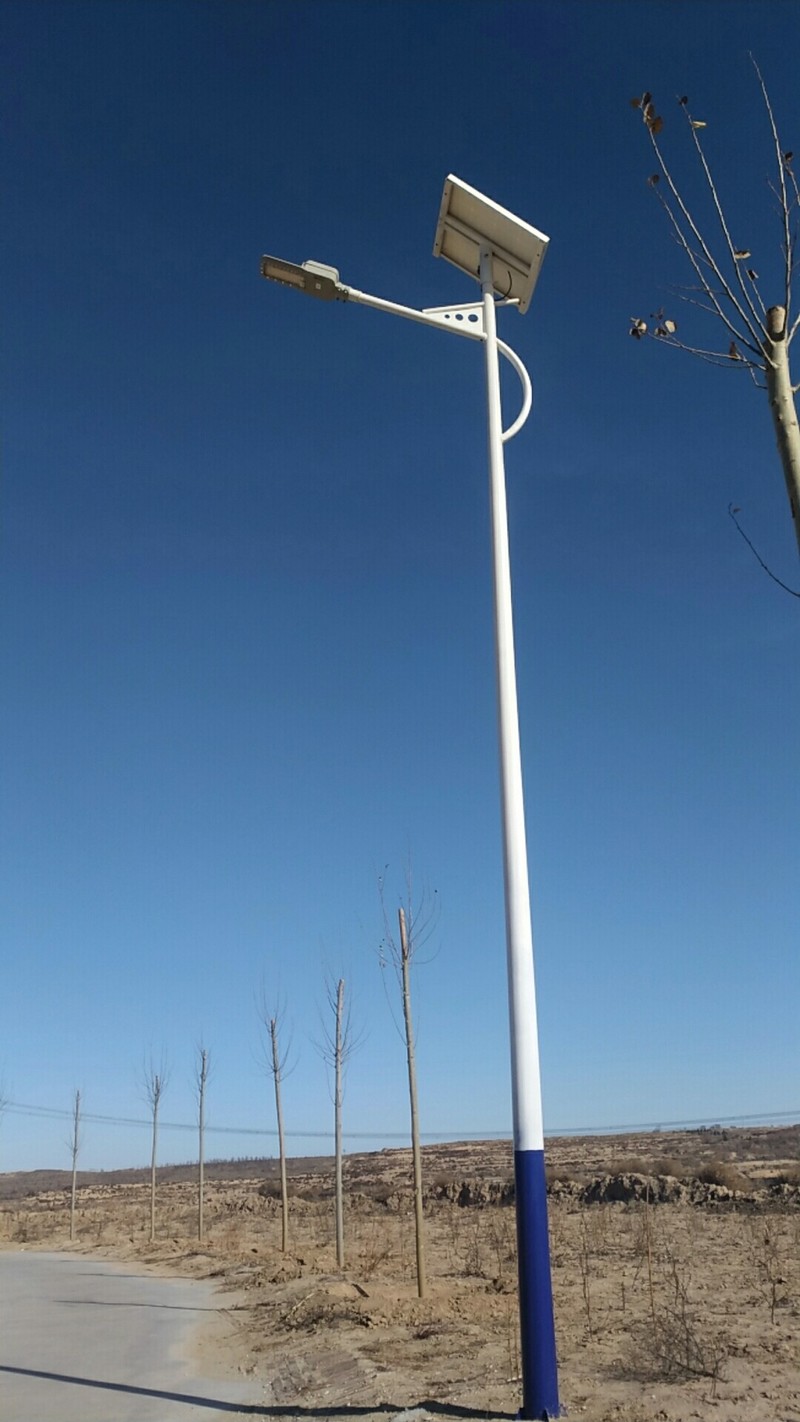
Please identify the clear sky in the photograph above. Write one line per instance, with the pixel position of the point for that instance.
(247, 652)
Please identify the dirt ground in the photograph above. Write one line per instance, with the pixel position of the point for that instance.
(676, 1274)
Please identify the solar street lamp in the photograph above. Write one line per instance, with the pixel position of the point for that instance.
(315, 278)
(504, 254)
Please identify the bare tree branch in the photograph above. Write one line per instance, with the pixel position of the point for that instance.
(202, 1073)
(733, 512)
(351, 1041)
(769, 331)
(784, 206)
(415, 929)
(713, 357)
(690, 301)
(336, 1048)
(704, 248)
(755, 331)
(154, 1082)
(275, 1059)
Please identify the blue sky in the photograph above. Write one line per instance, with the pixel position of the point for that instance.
(246, 585)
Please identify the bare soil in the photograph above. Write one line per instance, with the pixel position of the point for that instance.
(676, 1274)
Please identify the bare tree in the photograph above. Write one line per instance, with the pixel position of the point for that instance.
(337, 1047)
(74, 1146)
(275, 1062)
(726, 285)
(155, 1083)
(201, 1075)
(414, 928)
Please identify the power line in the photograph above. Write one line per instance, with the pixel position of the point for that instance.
(21, 1108)
(756, 1118)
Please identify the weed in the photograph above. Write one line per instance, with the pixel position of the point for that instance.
(674, 1343)
(502, 1241)
(584, 1264)
(513, 1343)
(675, 1346)
(375, 1251)
(558, 1238)
(767, 1252)
(472, 1259)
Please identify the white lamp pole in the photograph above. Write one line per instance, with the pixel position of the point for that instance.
(539, 1368)
(505, 254)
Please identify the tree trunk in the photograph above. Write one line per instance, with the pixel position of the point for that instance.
(76, 1124)
(412, 1091)
(276, 1072)
(201, 1107)
(153, 1173)
(338, 1126)
(781, 403)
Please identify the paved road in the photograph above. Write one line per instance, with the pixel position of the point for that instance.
(86, 1341)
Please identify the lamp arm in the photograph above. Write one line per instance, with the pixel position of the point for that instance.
(425, 318)
(462, 321)
(527, 390)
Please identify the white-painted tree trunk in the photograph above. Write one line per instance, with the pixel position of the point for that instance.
(782, 405)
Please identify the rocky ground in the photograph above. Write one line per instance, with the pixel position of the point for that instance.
(676, 1273)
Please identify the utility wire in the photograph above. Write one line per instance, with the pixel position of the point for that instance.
(21, 1108)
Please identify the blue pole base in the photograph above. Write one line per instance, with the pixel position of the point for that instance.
(537, 1326)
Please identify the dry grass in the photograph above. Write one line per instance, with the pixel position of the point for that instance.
(663, 1310)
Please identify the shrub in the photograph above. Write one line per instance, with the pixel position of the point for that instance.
(630, 1165)
(563, 1175)
(719, 1172)
(270, 1190)
(789, 1176)
(671, 1165)
(315, 1191)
